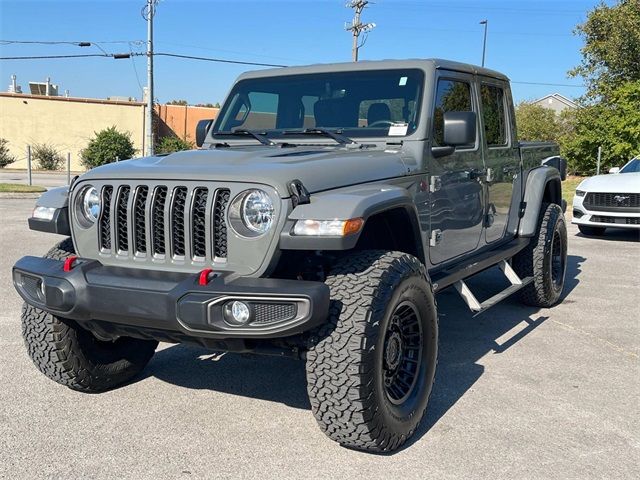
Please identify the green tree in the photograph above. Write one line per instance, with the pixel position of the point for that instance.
(178, 102)
(536, 122)
(107, 146)
(610, 66)
(614, 125)
(5, 156)
(172, 144)
(47, 156)
(611, 51)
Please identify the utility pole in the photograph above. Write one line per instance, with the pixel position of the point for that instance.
(356, 27)
(147, 13)
(484, 42)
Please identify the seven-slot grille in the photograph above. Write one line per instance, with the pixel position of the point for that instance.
(612, 201)
(164, 222)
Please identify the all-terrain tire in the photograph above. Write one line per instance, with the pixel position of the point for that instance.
(73, 356)
(591, 231)
(544, 259)
(348, 362)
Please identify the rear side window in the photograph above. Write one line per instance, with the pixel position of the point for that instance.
(451, 96)
(494, 116)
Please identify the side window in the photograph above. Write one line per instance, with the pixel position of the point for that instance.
(451, 96)
(494, 115)
(263, 111)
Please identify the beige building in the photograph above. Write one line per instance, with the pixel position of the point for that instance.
(65, 123)
(556, 102)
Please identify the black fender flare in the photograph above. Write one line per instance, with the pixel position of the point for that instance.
(542, 184)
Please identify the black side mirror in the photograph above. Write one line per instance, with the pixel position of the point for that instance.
(201, 131)
(459, 128)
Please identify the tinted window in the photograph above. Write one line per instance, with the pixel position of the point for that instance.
(361, 103)
(493, 114)
(451, 96)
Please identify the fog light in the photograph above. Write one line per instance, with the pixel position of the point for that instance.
(237, 313)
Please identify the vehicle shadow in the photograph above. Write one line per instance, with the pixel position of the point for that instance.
(613, 234)
(463, 341)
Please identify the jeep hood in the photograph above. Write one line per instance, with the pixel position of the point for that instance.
(319, 168)
(612, 183)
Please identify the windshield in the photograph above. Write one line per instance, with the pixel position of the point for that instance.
(361, 103)
(632, 167)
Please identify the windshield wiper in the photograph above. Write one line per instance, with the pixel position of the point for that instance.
(243, 131)
(334, 134)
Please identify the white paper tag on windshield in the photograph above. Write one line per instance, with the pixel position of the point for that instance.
(398, 130)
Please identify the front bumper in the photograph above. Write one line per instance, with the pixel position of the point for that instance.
(603, 218)
(170, 302)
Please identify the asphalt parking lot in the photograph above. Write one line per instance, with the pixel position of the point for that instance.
(520, 393)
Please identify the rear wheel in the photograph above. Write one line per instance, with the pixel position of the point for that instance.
(544, 259)
(591, 231)
(73, 356)
(370, 369)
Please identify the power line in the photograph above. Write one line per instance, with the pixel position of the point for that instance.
(82, 55)
(219, 60)
(66, 42)
(549, 84)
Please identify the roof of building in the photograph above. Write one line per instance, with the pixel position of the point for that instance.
(70, 99)
(560, 98)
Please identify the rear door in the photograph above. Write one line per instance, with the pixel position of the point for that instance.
(500, 155)
(456, 191)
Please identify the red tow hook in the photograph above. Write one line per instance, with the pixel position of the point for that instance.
(68, 263)
(204, 276)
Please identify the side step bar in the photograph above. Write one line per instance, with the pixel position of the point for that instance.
(477, 307)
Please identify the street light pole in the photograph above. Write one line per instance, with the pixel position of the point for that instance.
(150, 11)
(484, 42)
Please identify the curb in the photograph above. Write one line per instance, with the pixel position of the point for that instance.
(19, 195)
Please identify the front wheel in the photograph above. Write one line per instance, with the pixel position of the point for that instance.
(370, 368)
(72, 356)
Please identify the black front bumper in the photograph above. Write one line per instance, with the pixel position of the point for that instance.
(171, 302)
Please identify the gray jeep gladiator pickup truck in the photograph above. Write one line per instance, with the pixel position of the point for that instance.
(325, 208)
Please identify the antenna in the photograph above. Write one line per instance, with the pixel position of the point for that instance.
(356, 27)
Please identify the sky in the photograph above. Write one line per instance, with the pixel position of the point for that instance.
(528, 40)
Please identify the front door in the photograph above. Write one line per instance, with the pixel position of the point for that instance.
(456, 190)
(501, 157)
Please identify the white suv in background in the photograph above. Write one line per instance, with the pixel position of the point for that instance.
(609, 200)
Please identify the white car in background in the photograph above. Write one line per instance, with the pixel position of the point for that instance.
(607, 201)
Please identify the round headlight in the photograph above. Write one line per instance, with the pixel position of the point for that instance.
(91, 204)
(257, 211)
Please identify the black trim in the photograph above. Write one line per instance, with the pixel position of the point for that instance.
(58, 224)
(469, 267)
(156, 300)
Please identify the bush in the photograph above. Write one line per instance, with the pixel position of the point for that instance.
(172, 144)
(46, 157)
(5, 157)
(107, 146)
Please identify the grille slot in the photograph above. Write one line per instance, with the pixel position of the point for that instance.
(157, 220)
(122, 226)
(139, 219)
(164, 223)
(178, 221)
(104, 226)
(220, 224)
(198, 222)
(616, 220)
